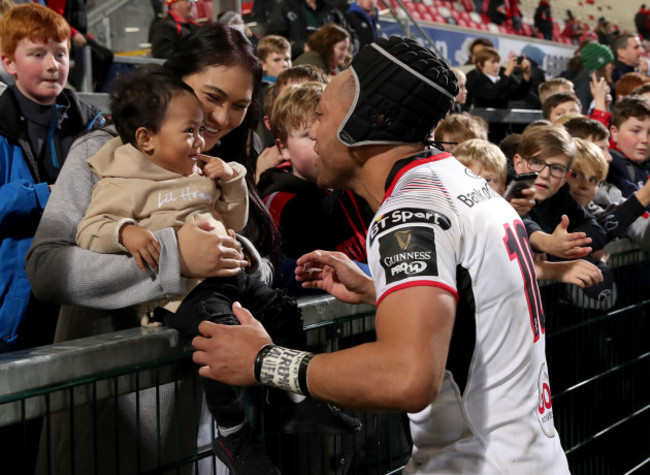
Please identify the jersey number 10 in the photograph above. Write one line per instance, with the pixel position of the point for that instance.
(516, 241)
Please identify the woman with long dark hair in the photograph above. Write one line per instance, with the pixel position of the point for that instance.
(100, 292)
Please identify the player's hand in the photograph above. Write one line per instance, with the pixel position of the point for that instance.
(524, 204)
(335, 273)
(568, 245)
(227, 352)
(215, 168)
(142, 245)
(269, 158)
(205, 254)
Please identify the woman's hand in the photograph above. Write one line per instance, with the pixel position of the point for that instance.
(205, 254)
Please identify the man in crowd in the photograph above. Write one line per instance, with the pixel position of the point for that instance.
(627, 50)
(168, 31)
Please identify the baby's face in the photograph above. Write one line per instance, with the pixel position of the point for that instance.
(180, 138)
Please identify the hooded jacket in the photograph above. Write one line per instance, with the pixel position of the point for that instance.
(24, 192)
(134, 190)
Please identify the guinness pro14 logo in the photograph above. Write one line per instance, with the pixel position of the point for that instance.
(408, 252)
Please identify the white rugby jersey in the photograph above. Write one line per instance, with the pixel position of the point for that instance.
(441, 225)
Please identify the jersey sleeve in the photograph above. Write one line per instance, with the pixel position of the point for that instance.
(414, 241)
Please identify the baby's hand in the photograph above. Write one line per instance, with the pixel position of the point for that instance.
(142, 245)
(215, 168)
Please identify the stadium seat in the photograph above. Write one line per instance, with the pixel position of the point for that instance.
(462, 22)
(468, 5)
(410, 6)
(492, 28)
(439, 18)
(464, 16)
(476, 18)
(444, 11)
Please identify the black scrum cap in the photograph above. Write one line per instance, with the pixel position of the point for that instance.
(402, 91)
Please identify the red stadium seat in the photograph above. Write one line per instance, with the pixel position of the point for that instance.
(469, 5)
(439, 19)
(462, 22)
(410, 6)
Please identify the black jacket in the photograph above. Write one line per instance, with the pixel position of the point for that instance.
(546, 215)
(485, 93)
(288, 19)
(310, 218)
(165, 34)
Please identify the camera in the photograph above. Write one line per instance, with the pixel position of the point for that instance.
(520, 59)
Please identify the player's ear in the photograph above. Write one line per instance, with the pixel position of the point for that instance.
(144, 139)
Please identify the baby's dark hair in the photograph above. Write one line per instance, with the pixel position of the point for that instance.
(140, 99)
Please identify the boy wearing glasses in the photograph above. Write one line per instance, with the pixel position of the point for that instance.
(557, 224)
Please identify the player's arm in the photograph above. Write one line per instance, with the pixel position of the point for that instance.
(402, 370)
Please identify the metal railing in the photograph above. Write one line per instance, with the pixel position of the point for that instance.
(130, 401)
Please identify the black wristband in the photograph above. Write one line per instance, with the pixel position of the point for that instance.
(302, 374)
(283, 368)
(258, 360)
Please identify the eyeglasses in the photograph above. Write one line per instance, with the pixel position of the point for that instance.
(537, 165)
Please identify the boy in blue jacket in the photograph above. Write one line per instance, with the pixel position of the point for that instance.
(39, 121)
